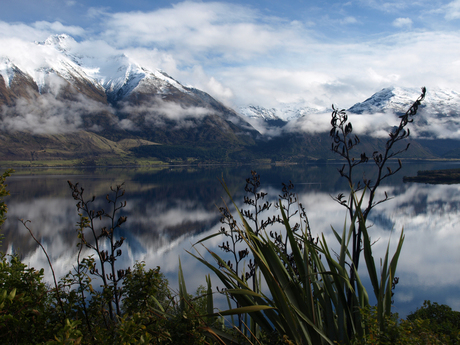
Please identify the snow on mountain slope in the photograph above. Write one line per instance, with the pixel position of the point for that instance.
(62, 86)
(57, 60)
(7, 70)
(253, 111)
(438, 115)
(443, 102)
(285, 111)
(58, 57)
(437, 102)
(120, 76)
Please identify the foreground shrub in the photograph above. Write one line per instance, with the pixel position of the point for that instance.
(29, 313)
(397, 331)
(26, 312)
(440, 319)
(307, 297)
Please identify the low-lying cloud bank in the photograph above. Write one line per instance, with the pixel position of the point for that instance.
(47, 114)
(156, 113)
(426, 125)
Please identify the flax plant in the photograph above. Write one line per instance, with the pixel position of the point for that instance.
(344, 144)
(307, 294)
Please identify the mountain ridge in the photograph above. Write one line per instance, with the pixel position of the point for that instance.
(64, 93)
(120, 99)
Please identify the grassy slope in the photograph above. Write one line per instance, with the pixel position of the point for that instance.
(68, 149)
(89, 148)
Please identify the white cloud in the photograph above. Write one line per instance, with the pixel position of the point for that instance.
(48, 115)
(154, 58)
(349, 20)
(37, 31)
(96, 12)
(344, 74)
(263, 128)
(155, 114)
(22, 31)
(390, 6)
(240, 56)
(57, 27)
(402, 22)
(217, 30)
(216, 88)
(452, 10)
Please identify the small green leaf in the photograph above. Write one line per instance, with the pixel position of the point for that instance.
(12, 294)
(243, 310)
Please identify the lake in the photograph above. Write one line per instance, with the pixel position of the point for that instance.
(172, 208)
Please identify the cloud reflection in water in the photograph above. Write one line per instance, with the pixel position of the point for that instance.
(166, 218)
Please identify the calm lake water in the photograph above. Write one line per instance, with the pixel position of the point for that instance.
(171, 209)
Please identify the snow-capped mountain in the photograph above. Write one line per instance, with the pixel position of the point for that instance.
(58, 89)
(438, 115)
(57, 61)
(117, 77)
(392, 98)
(438, 102)
(60, 100)
(284, 112)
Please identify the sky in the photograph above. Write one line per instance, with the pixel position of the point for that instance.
(262, 52)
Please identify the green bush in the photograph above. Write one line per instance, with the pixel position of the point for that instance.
(4, 192)
(307, 303)
(26, 309)
(397, 331)
(441, 320)
(139, 286)
(75, 311)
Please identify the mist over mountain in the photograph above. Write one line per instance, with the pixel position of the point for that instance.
(438, 116)
(60, 92)
(60, 102)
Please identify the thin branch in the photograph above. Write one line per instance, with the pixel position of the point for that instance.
(24, 222)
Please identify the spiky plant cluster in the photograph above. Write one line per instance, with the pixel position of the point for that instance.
(102, 238)
(344, 144)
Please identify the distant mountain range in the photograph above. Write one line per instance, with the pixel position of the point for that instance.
(440, 109)
(285, 112)
(64, 107)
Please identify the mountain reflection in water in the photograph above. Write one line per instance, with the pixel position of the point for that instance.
(170, 209)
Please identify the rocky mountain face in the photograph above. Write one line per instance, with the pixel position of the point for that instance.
(64, 93)
(64, 105)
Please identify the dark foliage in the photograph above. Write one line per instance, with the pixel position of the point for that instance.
(442, 320)
(344, 144)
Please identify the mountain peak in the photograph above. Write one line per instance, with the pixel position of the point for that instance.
(61, 42)
(7, 70)
(394, 98)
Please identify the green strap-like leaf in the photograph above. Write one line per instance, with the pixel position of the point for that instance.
(242, 310)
